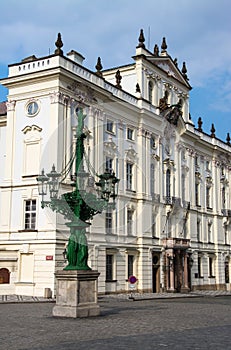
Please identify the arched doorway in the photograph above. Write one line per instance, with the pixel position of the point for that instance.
(4, 276)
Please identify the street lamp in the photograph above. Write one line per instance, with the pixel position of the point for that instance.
(78, 206)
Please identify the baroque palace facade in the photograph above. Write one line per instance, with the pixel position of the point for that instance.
(171, 225)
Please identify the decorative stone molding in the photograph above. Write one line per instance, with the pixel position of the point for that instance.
(209, 181)
(142, 132)
(152, 75)
(86, 96)
(185, 169)
(131, 154)
(59, 97)
(10, 106)
(31, 128)
(110, 148)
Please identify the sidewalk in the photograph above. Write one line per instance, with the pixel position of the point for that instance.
(148, 296)
(123, 296)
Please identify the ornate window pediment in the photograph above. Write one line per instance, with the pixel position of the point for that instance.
(131, 155)
(110, 148)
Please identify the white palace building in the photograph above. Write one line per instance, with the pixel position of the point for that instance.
(171, 226)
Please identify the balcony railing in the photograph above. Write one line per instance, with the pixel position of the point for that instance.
(176, 243)
(172, 201)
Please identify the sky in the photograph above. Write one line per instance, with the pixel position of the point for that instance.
(196, 31)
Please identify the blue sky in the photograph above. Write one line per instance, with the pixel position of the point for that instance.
(197, 32)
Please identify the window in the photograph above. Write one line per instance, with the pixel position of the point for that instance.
(223, 197)
(152, 179)
(208, 197)
(198, 230)
(154, 225)
(110, 126)
(129, 176)
(226, 235)
(210, 238)
(196, 162)
(150, 91)
(211, 267)
(130, 265)
(130, 134)
(183, 187)
(108, 222)
(197, 193)
(168, 184)
(153, 142)
(130, 222)
(109, 267)
(199, 263)
(4, 276)
(30, 214)
(108, 163)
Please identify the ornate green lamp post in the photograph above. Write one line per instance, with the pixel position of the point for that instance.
(77, 206)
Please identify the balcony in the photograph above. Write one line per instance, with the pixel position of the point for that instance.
(172, 201)
(226, 212)
(176, 243)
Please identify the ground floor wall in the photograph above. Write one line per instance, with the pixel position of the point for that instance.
(28, 268)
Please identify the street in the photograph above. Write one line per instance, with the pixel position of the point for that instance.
(177, 323)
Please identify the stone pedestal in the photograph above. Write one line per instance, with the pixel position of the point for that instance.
(76, 295)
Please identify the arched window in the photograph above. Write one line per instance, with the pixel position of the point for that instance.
(168, 184)
(4, 276)
(150, 91)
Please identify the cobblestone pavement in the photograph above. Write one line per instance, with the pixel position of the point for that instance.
(167, 323)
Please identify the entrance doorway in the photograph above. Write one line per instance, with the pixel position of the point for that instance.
(155, 273)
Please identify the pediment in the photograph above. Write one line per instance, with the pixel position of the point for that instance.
(167, 65)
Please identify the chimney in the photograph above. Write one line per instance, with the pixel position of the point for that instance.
(76, 57)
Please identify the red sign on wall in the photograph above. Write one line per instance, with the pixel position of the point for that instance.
(49, 257)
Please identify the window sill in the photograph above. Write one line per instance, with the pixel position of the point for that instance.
(131, 191)
(110, 132)
(211, 277)
(25, 283)
(111, 281)
(27, 230)
(29, 176)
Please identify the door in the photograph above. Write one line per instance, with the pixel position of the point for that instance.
(155, 273)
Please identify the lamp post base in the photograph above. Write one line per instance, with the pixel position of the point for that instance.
(77, 294)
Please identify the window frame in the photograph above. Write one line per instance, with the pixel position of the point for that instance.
(129, 221)
(30, 215)
(110, 268)
(110, 126)
(130, 265)
(130, 134)
(108, 222)
(129, 176)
